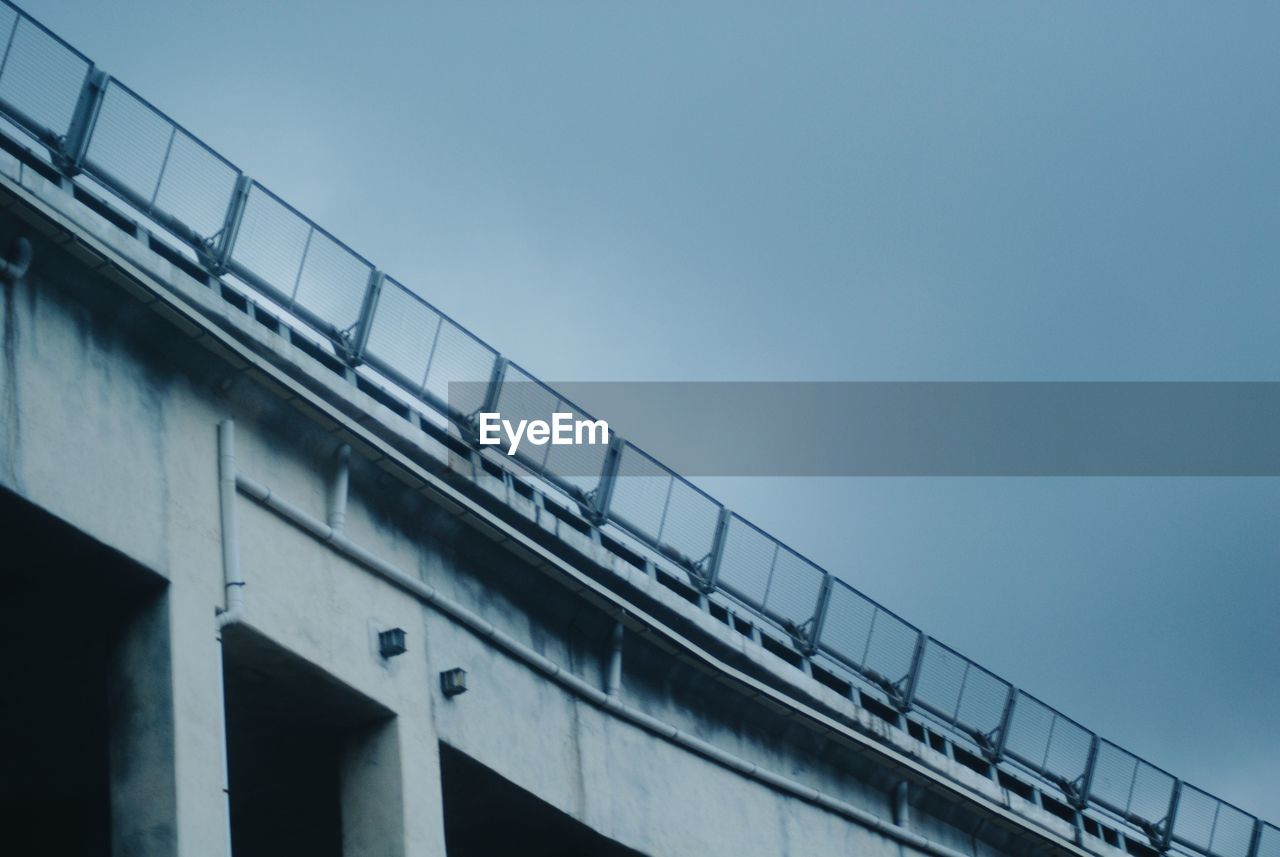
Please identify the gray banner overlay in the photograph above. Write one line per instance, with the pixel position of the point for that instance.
(923, 428)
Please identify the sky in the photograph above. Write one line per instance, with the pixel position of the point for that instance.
(835, 191)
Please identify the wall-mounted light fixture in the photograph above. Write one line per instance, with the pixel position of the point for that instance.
(391, 642)
(454, 681)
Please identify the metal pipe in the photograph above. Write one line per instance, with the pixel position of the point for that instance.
(222, 726)
(613, 682)
(338, 488)
(579, 687)
(233, 581)
(232, 578)
(901, 804)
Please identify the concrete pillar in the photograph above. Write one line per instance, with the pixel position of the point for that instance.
(165, 748)
(199, 725)
(423, 792)
(373, 810)
(143, 797)
(391, 792)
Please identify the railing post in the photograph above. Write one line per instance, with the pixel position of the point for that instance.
(358, 338)
(602, 495)
(908, 697)
(1171, 817)
(492, 392)
(1002, 735)
(711, 574)
(69, 157)
(1255, 841)
(469, 423)
(216, 256)
(819, 615)
(1086, 778)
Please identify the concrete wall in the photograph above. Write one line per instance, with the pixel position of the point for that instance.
(109, 404)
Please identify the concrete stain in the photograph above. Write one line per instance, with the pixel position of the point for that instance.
(10, 404)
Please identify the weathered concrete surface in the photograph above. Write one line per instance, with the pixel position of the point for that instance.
(109, 403)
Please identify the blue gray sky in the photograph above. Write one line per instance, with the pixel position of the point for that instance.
(835, 191)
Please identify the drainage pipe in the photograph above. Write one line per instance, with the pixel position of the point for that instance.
(901, 804)
(338, 488)
(554, 672)
(613, 681)
(232, 578)
(233, 581)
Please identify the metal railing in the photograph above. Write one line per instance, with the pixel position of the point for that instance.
(92, 124)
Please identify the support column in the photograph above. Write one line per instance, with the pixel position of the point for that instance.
(144, 812)
(200, 708)
(164, 751)
(373, 810)
(423, 791)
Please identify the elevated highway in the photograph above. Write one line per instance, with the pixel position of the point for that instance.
(264, 594)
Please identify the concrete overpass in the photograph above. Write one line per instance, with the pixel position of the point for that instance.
(263, 594)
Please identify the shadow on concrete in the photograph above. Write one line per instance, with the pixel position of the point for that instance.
(486, 815)
(66, 601)
(288, 726)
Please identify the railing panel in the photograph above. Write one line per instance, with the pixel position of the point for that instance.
(272, 242)
(8, 21)
(747, 562)
(158, 163)
(690, 525)
(197, 185)
(523, 396)
(865, 636)
(663, 508)
(794, 588)
(1126, 784)
(1212, 826)
(425, 351)
(303, 267)
(333, 281)
(460, 357)
(768, 575)
(959, 691)
(402, 335)
(1047, 741)
(40, 75)
(129, 142)
(1197, 813)
(1269, 841)
(641, 494)
(577, 465)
